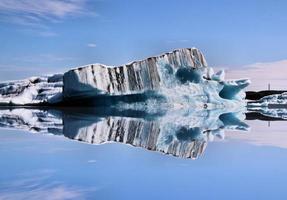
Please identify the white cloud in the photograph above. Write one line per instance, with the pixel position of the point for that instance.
(183, 40)
(92, 45)
(48, 58)
(261, 74)
(92, 161)
(34, 65)
(47, 33)
(55, 193)
(177, 41)
(38, 14)
(41, 185)
(35, 11)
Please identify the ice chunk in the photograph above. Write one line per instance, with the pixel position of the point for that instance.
(276, 99)
(271, 106)
(136, 77)
(218, 76)
(233, 90)
(32, 91)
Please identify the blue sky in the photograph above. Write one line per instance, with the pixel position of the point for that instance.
(51, 36)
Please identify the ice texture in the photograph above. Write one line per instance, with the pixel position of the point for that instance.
(274, 106)
(275, 99)
(135, 77)
(180, 78)
(32, 91)
(181, 134)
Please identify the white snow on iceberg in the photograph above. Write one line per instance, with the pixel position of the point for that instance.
(32, 91)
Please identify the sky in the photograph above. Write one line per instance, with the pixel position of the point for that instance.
(49, 36)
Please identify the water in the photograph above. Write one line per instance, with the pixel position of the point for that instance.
(234, 159)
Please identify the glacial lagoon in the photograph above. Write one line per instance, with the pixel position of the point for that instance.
(166, 127)
(94, 154)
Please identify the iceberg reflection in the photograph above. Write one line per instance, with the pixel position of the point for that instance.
(182, 133)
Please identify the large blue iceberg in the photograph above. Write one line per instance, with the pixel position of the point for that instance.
(179, 79)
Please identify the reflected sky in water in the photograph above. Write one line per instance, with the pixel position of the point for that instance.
(244, 165)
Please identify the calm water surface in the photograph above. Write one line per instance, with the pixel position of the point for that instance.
(243, 165)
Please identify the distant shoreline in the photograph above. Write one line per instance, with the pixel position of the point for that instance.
(252, 95)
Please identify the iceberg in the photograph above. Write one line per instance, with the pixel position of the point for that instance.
(180, 79)
(273, 106)
(275, 99)
(32, 91)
